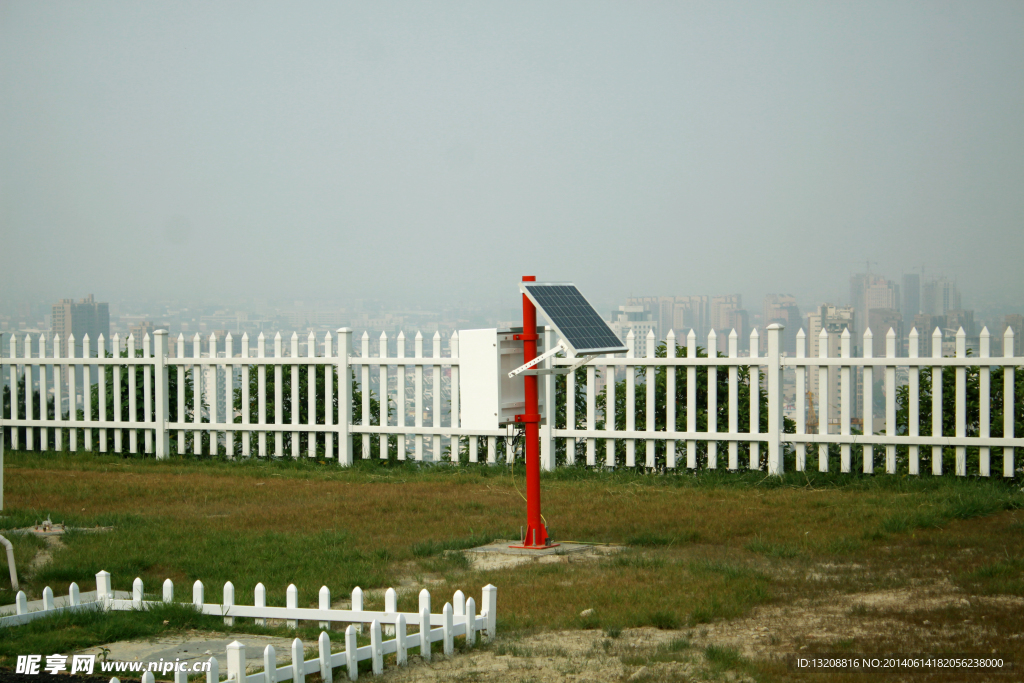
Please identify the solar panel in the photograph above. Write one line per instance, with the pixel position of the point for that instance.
(573, 317)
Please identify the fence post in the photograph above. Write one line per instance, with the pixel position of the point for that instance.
(236, 662)
(137, 593)
(344, 397)
(291, 601)
(103, 593)
(298, 662)
(775, 464)
(489, 603)
(1008, 372)
(351, 656)
(160, 393)
(961, 403)
(324, 649)
(547, 424)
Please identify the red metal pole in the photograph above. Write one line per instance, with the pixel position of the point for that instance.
(536, 534)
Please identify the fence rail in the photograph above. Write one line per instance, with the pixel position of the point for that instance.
(460, 619)
(678, 405)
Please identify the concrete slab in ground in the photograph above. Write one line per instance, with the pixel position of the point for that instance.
(499, 555)
(193, 646)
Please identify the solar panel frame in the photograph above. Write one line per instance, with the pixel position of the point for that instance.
(573, 317)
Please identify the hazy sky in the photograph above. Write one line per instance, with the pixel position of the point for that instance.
(440, 150)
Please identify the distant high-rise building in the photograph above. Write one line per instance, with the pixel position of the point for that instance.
(722, 307)
(911, 295)
(635, 319)
(868, 291)
(782, 309)
(881, 320)
(939, 296)
(78, 319)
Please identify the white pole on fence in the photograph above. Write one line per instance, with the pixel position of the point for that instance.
(937, 401)
(984, 405)
(229, 602)
(298, 660)
(470, 621)
(734, 400)
(822, 400)
(229, 396)
(402, 651)
(570, 412)
(630, 399)
(435, 386)
(179, 356)
(344, 397)
(384, 395)
(103, 593)
(691, 399)
(418, 395)
(269, 664)
(236, 662)
(649, 403)
(324, 651)
(20, 603)
(890, 401)
(245, 407)
(278, 397)
(147, 396)
(181, 676)
(148, 677)
(845, 391)
(455, 443)
(133, 401)
(448, 630)
(261, 390)
(869, 401)
(712, 402)
(489, 603)
(775, 463)
(961, 403)
(1008, 460)
(197, 395)
(914, 409)
(137, 593)
(400, 403)
(670, 399)
(260, 600)
(86, 389)
(325, 603)
(311, 415)
(329, 416)
(424, 630)
(591, 413)
(47, 598)
(755, 400)
(168, 590)
(390, 607)
(213, 673)
(376, 648)
(609, 412)
(459, 602)
(292, 602)
(801, 399)
(295, 393)
(351, 655)
(74, 595)
(71, 372)
(198, 594)
(163, 444)
(364, 376)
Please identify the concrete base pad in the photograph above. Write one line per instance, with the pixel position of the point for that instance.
(502, 547)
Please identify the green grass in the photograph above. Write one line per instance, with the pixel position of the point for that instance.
(702, 547)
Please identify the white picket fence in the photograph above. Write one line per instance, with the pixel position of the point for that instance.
(418, 377)
(458, 620)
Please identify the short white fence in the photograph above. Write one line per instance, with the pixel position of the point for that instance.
(332, 371)
(458, 620)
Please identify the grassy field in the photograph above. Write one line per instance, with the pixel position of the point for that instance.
(703, 550)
